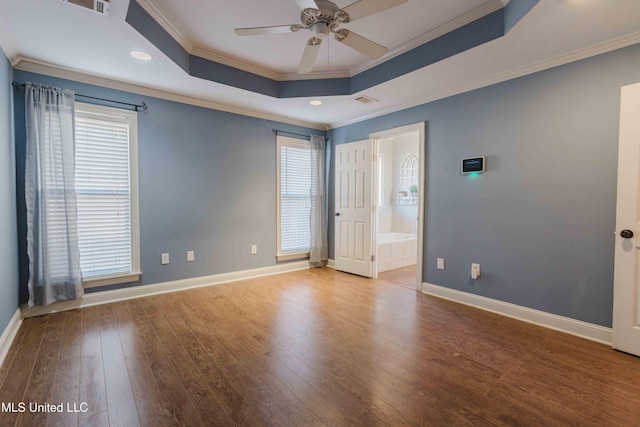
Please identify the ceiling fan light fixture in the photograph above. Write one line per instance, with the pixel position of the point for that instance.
(141, 55)
(315, 102)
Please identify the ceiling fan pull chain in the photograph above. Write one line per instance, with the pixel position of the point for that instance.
(328, 55)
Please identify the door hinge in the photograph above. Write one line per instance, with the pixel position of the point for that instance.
(373, 258)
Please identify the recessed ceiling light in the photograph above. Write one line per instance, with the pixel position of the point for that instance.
(138, 54)
(315, 102)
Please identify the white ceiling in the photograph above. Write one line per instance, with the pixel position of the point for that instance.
(59, 39)
(209, 25)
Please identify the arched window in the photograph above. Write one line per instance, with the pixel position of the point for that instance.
(409, 171)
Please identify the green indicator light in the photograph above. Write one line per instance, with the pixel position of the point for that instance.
(474, 174)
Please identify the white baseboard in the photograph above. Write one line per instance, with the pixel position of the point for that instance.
(9, 334)
(106, 297)
(567, 325)
(331, 264)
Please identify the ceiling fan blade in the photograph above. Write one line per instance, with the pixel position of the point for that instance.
(309, 56)
(363, 45)
(363, 8)
(306, 4)
(278, 29)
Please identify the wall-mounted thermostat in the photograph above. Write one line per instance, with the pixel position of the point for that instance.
(473, 164)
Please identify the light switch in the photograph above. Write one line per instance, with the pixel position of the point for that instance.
(254, 249)
(165, 259)
(440, 263)
(191, 256)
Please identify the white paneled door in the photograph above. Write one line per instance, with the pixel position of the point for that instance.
(626, 295)
(354, 208)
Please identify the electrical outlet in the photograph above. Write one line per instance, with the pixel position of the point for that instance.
(191, 256)
(165, 259)
(440, 263)
(475, 271)
(254, 249)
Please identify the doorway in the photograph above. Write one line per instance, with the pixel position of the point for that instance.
(626, 290)
(399, 181)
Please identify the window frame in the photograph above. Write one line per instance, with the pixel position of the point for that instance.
(296, 143)
(409, 171)
(100, 112)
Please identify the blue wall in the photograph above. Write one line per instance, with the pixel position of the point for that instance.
(540, 221)
(8, 239)
(207, 183)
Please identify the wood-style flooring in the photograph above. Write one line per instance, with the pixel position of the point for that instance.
(404, 276)
(315, 347)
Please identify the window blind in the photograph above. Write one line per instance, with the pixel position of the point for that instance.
(295, 199)
(103, 196)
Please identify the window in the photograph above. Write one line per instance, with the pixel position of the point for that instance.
(106, 190)
(409, 171)
(294, 198)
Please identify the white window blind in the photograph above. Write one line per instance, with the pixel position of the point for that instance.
(103, 188)
(295, 196)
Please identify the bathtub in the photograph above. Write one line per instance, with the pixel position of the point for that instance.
(396, 250)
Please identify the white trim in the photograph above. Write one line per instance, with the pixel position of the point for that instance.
(112, 280)
(567, 325)
(166, 23)
(9, 334)
(107, 297)
(331, 263)
(292, 256)
(129, 117)
(81, 77)
(30, 65)
(249, 67)
(460, 21)
(263, 71)
(187, 44)
(420, 129)
(285, 141)
(576, 55)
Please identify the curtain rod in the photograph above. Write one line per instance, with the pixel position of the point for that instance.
(144, 106)
(277, 131)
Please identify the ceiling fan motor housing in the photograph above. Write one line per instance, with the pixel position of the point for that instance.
(324, 19)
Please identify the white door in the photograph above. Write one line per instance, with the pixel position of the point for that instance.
(354, 208)
(626, 295)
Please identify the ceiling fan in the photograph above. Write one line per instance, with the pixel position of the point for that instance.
(323, 17)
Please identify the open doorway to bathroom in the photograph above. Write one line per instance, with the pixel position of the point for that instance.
(399, 178)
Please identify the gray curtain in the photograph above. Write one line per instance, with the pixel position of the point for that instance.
(318, 254)
(52, 226)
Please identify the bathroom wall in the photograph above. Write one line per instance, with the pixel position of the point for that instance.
(405, 216)
(392, 217)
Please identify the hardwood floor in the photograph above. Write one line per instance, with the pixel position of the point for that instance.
(317, 348)
(404, 276)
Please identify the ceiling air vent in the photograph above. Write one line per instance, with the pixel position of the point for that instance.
(365, 99)
(99, 6)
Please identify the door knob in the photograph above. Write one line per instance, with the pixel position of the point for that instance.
(626, 234)
(337, 213)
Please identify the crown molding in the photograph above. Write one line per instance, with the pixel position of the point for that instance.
(262, 71)
(164, 21)
(234, 62)
(38, 67)
(315, 75)
(462, 20)
(557, 61)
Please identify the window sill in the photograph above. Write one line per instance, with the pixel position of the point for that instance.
(110, 280)
(292, 256)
